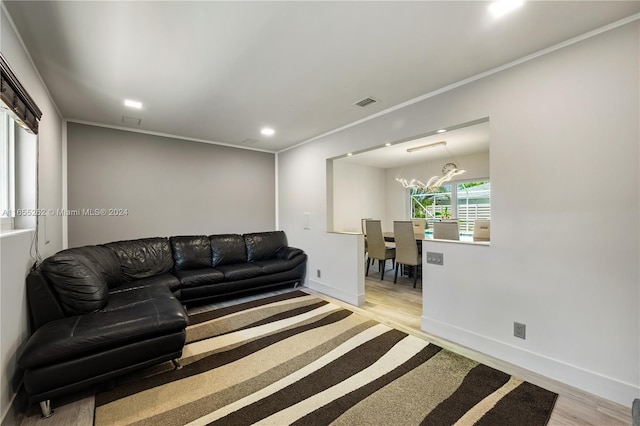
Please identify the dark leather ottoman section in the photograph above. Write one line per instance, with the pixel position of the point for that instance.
(197, 277)
(73, 337)
(52, 380)
(240, 271)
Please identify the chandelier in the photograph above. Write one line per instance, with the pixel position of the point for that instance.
(449, 171)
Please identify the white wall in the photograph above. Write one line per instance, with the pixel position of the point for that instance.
(14, 327)
(167, 186)
(564, 131)
(358, 192)
(15, 250)
(339, 257)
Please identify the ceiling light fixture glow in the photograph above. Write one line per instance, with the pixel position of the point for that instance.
(267, 131)
(441, 131)
(502, 7)
(433, 183)
(133, 104)
(429, 145)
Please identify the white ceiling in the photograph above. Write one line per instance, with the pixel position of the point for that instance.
(219, 71)
(466, 140)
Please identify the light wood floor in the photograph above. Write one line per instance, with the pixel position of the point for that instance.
(398, 305)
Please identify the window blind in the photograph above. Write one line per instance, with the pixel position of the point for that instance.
(18, 102)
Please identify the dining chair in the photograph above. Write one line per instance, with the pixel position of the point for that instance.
(419, 225)
(446, 230)
(378, 250)
(406, 248)
(363, 223)
(482, 230)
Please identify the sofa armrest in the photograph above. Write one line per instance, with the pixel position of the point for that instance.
(43, 303)
(288, 253)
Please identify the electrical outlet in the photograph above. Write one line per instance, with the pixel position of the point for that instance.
(306, 220)
(435, 258)
(520, 330)
(318, 273)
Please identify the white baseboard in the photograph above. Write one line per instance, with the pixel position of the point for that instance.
(14, 411)
(354, 299)
(588, 381)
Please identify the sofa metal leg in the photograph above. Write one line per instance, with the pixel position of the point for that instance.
(45, 407)
(176, 364)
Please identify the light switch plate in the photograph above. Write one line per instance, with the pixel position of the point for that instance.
(306, 220)
(520, 330)
(435, 258)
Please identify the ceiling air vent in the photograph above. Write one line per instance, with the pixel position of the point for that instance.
(366, 101)
(131, 121)
(248, 141)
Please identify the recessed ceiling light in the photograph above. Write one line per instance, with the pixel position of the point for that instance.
(387, 144)
(502, 7)
(441, 131)
(133, 104)
(267, 131)
(349, 154)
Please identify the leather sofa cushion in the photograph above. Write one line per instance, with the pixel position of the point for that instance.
(264, 245)
(130, 316)
(191, 252)
(164, 280)
(227, 249)
(77, 281)
(240, 271)
(289, 253)
(199, 277)
(143, 258)
(273, 266)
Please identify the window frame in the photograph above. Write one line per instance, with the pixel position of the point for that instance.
(7, 175)
(433, 218)
(457, 206)
(453, 193)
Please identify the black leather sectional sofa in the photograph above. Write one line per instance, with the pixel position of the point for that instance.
(101, 311)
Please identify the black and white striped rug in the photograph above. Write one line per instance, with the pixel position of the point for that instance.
(297, 359)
